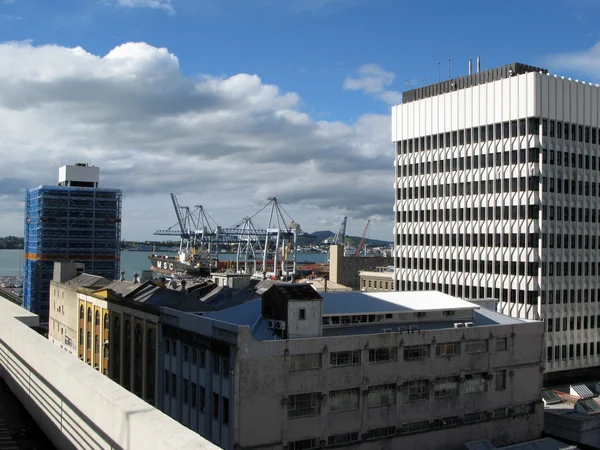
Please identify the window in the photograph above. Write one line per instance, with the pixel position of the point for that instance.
(302, 314)
(475, 417)
(446, 387)
(447, 349)
(81, 313)
(186, 391)
(344, 358)
(383, 355)
(174, 385)
(89, 341)
(194, 352)
(215, 406)
(340, 439)
(302, 405)
(89, 315)
(225, 410)
(202, 398)
(106, 321)
(225, 370)
(194, 396)
(500, 380)
(381, 395)
(97, 323)
(343, 400)
(216, 365)
(166, 381)
(305, 362)
(476, 346)
(380, 432)
(186, 353)
(475, 383)
(415, 390)
(416, 352)
(304, 444)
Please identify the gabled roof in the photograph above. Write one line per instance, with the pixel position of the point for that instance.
(86, 280)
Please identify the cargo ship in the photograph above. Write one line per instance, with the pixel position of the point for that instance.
(179, 265)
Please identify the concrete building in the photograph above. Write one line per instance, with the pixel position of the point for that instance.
(299, 369)
(497, 196)
(380, 279)
(344, 269)
(74, 221)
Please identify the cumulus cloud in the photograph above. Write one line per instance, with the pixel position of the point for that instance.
(225, 142)
(166, 5)
(374, 80)
(585, 62)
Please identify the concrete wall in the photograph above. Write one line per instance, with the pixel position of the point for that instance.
(376, 281)
(62, 326)
(264, 383)
(77, 407)
(344, 270)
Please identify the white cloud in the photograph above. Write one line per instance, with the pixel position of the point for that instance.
(225, 142)
(374, 80)
(166, 5)
(10, 17)
(585, 62)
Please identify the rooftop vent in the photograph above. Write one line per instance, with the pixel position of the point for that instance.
(588, 405)
(459, 325)
(581, 390)
(550, 397)
(469, 324)
(387, 330)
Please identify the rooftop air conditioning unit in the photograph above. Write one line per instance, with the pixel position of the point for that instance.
(387, 330)
(469, 324)
(270, 324)
(459, 325)
(279, 324)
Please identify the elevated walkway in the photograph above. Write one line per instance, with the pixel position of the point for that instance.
(74, 405)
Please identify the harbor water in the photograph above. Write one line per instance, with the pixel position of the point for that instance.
(11, 261)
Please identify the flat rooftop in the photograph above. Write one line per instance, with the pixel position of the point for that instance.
(358, 303)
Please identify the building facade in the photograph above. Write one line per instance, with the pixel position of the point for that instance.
(497, 196)
(380, 279)
(304, 370)
(75, 221)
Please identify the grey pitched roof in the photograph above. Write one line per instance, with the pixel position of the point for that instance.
(86, 280)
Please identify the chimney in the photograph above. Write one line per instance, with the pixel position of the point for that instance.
(122, 276)
(325, 284)
(470, 67)
(478, 64)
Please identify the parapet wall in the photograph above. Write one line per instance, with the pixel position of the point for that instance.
(75, 405)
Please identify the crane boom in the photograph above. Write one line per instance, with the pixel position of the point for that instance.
(180, 219)
(362, 239)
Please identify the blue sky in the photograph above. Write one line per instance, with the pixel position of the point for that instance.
(345, 60)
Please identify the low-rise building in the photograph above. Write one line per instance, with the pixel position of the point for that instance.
(380, 279)
(299, 369)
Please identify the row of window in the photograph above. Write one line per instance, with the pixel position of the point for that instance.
(469, 136)
(562, 268)
(303, 405)
(471, 162)
(574, 323)
(471, 240)
(530, 297)
(471, 267)
(559, 352)
(197, 356)
(89, 317)
(467, 188)
(383, 318)
(389, 354)
(410, 428)
(195, 396)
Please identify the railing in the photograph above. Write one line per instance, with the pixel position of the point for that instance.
(75, 405)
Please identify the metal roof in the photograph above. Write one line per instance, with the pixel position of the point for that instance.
(589, 405)
(581, 390)
(356, 302)
(550, 397)
(538, 444)
(85, 280)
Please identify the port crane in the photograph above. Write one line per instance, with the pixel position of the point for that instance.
(362, 239)
(339, 237)
(274, 246)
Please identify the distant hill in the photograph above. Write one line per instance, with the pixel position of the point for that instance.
(320, 236)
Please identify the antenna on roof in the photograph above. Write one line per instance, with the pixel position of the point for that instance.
(439, 72)
(478, 64)
(448, 68)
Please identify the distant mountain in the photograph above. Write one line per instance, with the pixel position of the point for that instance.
(320, 236)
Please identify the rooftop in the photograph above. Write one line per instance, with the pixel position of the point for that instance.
(467, 81)
(353, 303)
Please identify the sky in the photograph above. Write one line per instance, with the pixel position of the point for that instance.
(229, 102)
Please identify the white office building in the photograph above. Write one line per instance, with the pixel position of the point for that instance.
(497, 196)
